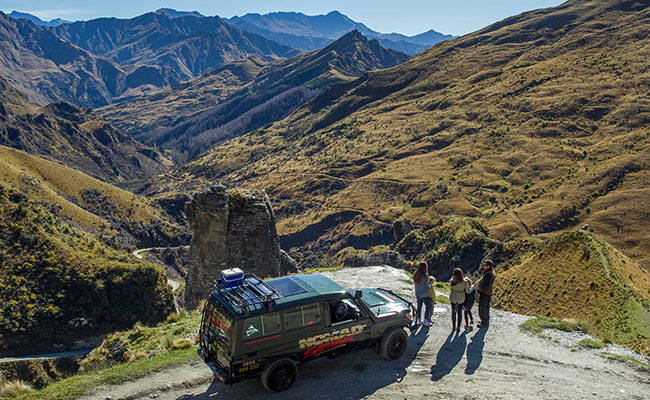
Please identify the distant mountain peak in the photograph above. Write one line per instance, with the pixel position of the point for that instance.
(308, 32)
(171, 13)
(344, 43)
(33, 18)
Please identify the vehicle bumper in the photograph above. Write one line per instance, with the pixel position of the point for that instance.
(218, 371)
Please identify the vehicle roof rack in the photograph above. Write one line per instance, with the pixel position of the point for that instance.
(253, 291)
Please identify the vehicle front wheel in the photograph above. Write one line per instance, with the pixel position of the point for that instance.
(279, 375)
(393, 344)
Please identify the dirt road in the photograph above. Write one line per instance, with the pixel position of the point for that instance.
(64, 354)
(175, 284)
(498, 363)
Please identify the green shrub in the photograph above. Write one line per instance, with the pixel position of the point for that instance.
(13, 389)
(537, 325)
(56, 288)
(591, 344)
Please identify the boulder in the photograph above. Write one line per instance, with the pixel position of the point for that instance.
(231, 229)
(379, 255)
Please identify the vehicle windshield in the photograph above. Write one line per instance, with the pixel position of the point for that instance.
(380, 303)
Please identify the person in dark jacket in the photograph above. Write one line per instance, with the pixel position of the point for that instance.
(484, 288)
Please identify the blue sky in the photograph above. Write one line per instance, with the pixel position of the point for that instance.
(408, 17)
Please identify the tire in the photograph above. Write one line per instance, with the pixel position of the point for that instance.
(279, 375)
(393, 344)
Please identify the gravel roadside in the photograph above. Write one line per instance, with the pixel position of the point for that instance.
(501, 362)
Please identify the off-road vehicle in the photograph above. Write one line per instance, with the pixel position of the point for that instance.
(269, 327)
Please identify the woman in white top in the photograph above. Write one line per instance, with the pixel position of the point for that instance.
(459, 287)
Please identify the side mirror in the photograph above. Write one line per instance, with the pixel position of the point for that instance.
(358, 294)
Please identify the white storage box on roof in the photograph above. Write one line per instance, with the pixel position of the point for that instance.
(232, 277)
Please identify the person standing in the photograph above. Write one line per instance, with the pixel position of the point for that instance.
(459, 288)
(484, 288)
(422, 286)
(432, 294)
(470, 298)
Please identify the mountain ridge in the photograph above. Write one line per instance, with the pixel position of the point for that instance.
(76, 137)
(288, 82)
(298, 29)
(512, 123)
(93, 63)
(579, 276)
(53, 22)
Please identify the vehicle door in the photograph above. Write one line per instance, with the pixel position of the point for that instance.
(346, 329)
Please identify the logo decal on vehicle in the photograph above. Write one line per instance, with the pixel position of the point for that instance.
(320, 343)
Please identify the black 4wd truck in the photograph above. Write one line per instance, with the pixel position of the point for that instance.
(269, 327)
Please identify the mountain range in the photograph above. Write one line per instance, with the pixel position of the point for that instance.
(93, 63)
(312, 32)
(179, 48)
(36, 20)
(536, 124)
(501, 143)
(267, 92)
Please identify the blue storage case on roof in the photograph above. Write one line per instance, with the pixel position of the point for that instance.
(232, 277)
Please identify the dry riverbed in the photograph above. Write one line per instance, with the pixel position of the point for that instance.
(501, 362)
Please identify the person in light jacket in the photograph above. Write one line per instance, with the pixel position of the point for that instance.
(459, 287)
(422, 286)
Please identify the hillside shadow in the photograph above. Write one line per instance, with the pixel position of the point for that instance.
(475, 351)
(355, 376)
(449, 355)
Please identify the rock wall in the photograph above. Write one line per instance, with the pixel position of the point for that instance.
(231, 229)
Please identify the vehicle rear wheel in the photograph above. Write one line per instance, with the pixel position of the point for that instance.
(393, 344)
(279, 375)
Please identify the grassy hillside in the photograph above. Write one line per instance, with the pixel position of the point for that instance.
(75, 137)
(535, 124)
(579, 276)
(59, 284)
(171, 105)
(461, 242)
(117, 217)
(220, 112)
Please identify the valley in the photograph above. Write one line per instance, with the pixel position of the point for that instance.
(348, 150)
(510, 125)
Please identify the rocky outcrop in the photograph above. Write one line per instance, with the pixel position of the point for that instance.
(231, 229)
(401, 228)
(379, 255)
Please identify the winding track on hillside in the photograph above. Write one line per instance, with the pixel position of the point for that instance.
(47, 356)
(138, 254)
(499, 363)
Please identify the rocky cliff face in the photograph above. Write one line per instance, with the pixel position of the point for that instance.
(231, 229)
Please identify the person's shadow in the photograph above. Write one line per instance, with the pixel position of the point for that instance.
(475, 351)
(449, 355)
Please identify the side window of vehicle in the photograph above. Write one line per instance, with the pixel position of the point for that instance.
(253, 328)
(262, 325)
(344, 311)
(311, 314)
(302, 316)
(271, 323)
(293, 318)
